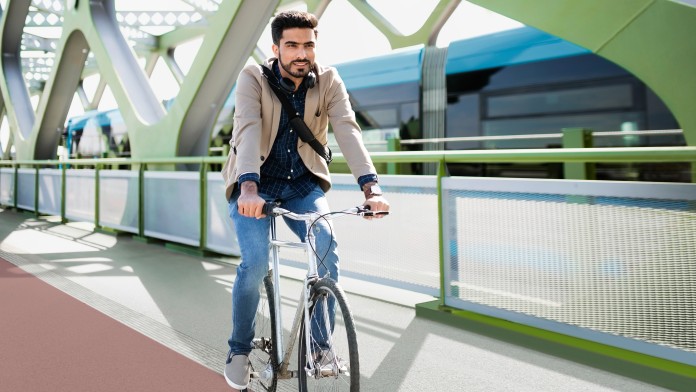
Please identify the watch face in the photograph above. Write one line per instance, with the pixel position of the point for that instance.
(376, 190)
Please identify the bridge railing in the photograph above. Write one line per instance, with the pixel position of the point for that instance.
(609, 262)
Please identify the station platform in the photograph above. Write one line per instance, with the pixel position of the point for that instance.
(84, 310)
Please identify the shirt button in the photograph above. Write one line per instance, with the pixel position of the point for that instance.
(289, 177)
(288, 150)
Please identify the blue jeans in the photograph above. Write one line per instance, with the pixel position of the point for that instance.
(254, 244)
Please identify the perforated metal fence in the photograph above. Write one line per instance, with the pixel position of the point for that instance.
(610, 262)
(594, 259)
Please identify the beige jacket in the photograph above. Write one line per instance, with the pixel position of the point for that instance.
(257, 117)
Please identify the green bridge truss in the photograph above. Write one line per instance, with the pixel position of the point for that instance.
(650, 38)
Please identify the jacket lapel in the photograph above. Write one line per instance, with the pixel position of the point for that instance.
(312, 104)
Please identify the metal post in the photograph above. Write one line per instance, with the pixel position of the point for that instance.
(63, 180)
(441, 172)
(97, 169)
(16, 186)
(393, 144)
(578, 138)
(141, 200)
(36, 190)
(203, 219)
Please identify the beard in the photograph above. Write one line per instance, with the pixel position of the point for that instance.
(300, 73)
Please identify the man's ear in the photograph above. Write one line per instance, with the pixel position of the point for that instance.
(274, 48)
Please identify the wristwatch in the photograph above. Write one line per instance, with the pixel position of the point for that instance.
(373, 190)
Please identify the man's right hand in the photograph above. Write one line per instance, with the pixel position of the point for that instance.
(249, 203)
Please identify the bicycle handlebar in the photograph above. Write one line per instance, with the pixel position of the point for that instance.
(274, 209)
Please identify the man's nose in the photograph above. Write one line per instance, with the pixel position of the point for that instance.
(302, 53)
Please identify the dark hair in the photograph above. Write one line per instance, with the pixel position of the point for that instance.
(291, 19)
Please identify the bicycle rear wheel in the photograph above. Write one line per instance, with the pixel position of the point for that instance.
(334, 364)
(264, 365)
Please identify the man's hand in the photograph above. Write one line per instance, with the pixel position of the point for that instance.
(250, 204)
(376, 203)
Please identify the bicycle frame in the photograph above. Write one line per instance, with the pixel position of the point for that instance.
(302, 315)
(283, 353)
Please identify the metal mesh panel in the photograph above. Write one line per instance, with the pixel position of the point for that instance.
(620, 265)
(6, 186)
(79, 194)
(374, 250)
(49, 191)
(25, 188)
(172, 204)
(118, 199)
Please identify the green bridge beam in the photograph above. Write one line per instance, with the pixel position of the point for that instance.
(653, 39)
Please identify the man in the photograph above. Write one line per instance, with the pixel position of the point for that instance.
(268, 162)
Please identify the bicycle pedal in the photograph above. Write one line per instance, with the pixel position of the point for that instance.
(327, 371)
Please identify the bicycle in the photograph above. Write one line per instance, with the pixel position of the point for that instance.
(334, 368)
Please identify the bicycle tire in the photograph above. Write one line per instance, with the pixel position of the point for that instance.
(264, 363)
(343, 344)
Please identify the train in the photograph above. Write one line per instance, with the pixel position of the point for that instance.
(488, 92)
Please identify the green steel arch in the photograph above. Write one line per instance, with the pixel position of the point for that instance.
(653, 39)
(230, 30)
(650, 38)
(229, 35)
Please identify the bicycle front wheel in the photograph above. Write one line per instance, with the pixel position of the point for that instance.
(264, 365)
(331, 362)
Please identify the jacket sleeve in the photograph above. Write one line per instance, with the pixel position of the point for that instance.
(246, 134)
(346, 129)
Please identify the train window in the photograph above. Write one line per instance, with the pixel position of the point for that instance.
(380, 118)
(462, 120)
(606, 121)
(409, 126)
(381, 95)
(387, 116)
(574, 69)
(611, 97)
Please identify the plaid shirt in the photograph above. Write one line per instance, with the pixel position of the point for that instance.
(284, 166)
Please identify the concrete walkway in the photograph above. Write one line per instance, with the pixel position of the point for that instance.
(183, 302)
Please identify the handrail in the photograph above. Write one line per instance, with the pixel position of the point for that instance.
(557, 135)
(537, 155)
(540, 155)
(538, 136)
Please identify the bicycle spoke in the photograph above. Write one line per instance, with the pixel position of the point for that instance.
(333, 365)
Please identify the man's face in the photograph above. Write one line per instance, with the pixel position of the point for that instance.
(296, 52)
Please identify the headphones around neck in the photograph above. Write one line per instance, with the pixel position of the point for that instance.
(309, 81)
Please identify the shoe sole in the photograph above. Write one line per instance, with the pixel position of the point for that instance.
(241, 388)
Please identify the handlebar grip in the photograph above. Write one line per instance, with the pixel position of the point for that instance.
(366, 211)
(268, 208)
